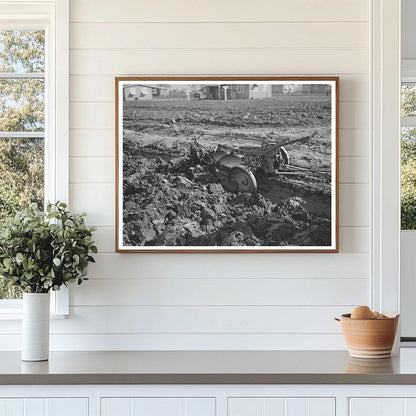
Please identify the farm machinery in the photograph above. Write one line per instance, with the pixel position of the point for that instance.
(236, 168)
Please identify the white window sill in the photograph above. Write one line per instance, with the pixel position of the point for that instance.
(13, 315)
(11, 309)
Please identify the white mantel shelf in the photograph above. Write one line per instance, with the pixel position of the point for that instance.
(207, 367)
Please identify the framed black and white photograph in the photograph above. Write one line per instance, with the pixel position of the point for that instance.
(231, 164)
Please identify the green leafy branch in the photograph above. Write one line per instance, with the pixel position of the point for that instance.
(43, 251)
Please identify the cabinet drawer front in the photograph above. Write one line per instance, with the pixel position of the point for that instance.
(274, 406)
(376, 406)
(44, 407)
(158, 406)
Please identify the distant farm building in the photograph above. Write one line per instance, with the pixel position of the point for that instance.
(301, 89)
(262, 91)
(274, 91)
(136, 92)
(233, 91)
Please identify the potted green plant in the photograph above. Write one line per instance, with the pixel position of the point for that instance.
(40, 252)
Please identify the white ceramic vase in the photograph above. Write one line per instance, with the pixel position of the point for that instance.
(35, 326)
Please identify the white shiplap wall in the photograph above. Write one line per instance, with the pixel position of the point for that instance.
(181, 301)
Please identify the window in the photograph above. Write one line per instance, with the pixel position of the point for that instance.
(408, 155)
(33, 112)
(22, 124)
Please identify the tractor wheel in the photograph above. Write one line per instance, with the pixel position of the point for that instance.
(284, 155)
(241, 180)
(281, 159)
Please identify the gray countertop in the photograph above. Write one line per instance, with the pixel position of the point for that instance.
(208, 367)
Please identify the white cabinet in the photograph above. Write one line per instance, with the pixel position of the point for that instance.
(377, 407)
(146, 406)
(208, 400)
(382, 406)
(44, 407)
(268, 406)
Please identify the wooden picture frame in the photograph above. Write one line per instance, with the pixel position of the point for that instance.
(227, 164)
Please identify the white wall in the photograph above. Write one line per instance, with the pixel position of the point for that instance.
(181, 301)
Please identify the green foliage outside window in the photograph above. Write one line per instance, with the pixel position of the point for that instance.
(21, 110)
(408, 180)
(408, 160)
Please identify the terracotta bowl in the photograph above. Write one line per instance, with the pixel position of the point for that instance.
(369, 338)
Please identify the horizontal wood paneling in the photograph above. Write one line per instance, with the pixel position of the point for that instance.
(194, 320)
(354, 88)
(94, 143)
(354, 170)
(352, 239)
(218, 11)
(92, 115)
(166, 341)
(231, 265)
(105, 239)
(96, 199)
(202, 319)
(354, 115)
(354, 208)
(219, 62)
(92, 88)
(218, 35)
(89, 169)
(354, 142)
(220, 291)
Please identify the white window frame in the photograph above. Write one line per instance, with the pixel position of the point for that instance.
(385, 150)
(408, 237)
(53, 17)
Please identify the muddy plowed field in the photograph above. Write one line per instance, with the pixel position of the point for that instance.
(171, 198)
